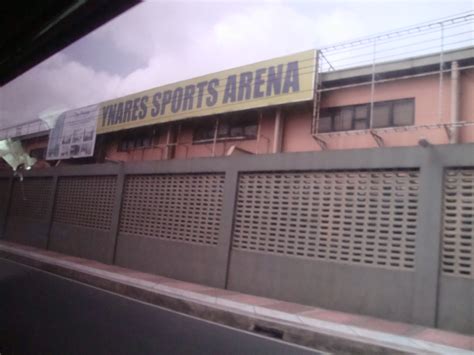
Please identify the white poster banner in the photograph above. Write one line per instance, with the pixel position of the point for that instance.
(73, 135)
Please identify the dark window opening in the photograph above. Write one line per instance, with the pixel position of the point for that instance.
(231, 126)
(38, 153)
(138, 139)
(394, 113)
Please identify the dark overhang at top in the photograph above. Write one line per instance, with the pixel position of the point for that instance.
(34, 30)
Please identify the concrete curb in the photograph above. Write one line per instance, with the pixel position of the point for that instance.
(206, 303)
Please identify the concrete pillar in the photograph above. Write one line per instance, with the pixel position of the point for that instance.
(170, 139)
(4, 207)
(428, 239)
(278, 132)
(114, 228)
(455, 102)
(50, 208)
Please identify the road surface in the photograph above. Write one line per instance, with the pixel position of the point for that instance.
(41, 313)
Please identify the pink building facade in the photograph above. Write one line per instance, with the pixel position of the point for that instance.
(409, 102)
(427, 113)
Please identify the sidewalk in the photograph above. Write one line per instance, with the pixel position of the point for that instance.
(322, 329)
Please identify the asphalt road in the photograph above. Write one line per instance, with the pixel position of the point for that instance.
(41, 313)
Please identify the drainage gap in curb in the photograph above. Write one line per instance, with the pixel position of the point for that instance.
(267, 331)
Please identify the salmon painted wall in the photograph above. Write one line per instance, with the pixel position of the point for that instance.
(425, 91)
(467, 105)
(297, 123)
(185, 148)
(156, 152)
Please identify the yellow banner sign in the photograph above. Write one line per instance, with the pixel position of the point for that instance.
(272, 82)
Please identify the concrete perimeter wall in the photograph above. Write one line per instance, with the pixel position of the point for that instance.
(382, 232)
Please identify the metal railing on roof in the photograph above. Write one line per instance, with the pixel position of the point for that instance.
(428, 38)
(24, 129)
(438, 36)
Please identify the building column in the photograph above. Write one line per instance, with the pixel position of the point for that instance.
(455, 102)
(278, 132)
(170, 141)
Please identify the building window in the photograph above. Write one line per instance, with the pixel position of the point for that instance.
(137, 139)
(232, 126)
(38, 153)
(386, 114)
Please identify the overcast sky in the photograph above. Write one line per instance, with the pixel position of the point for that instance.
(159, 42)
